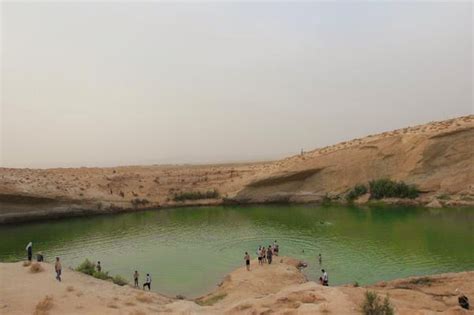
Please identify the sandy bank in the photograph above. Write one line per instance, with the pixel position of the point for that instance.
(279, 288)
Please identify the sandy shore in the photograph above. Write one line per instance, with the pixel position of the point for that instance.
(279, 288)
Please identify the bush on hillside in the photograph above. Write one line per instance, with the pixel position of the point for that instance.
(140, 202)
(86, 267)
(119, 280)
(356, 192)
(373, 305)
(196, 195)
(386, 188)
(89, 268)
(102, 275)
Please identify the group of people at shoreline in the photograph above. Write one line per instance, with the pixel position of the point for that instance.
(265, 255)
(98, 266)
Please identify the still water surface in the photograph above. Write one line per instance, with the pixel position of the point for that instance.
(189, 250)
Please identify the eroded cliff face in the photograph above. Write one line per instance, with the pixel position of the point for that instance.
(437, 157)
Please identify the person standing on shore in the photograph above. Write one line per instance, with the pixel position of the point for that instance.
(147, 282)
(99, 267)
(247, 261)
(269, 255)
(263, 255)
(320, 259)
(275, 248)
(324, 278)
(135, 278)
(29, 249)
(259, 254)
(58, 268)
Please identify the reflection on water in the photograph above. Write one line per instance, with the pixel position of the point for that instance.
(189, 250)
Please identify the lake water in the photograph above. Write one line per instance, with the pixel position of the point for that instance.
(189, 250)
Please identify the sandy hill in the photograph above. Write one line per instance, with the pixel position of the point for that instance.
(279, 288)
(438, 157)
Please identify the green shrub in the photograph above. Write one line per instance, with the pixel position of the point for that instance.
(373, 305)
(140, 202)
(89, 268)
(356, 192)
(102, 275)
(86, 267)
(119, 280)
(386, 188)
(196, 195)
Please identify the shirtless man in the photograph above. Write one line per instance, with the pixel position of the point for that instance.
(247, 261)
(58, 268)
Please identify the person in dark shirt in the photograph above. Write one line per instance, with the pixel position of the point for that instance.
(269, 254)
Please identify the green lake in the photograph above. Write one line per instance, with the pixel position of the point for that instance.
(189, 250)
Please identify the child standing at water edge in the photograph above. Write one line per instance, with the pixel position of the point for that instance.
(262, 254)
(147, 282)
(58, 268)
(135, 278)
(275, 248)
(259, 254)
(247, 261)
(29, 249)
(99, 267)
(324, 279)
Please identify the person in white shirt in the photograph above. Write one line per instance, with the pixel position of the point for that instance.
(324, 279)
(275, 248)
(147, 282)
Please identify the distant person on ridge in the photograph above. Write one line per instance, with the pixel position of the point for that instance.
(135, 278)
(29, 249)
(269, 255)
(247, 261)
(58, 268)
(147, 282)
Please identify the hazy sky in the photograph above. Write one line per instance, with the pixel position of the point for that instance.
(87, 84)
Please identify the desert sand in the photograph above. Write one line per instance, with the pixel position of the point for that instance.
(279, 288)
(438, 157)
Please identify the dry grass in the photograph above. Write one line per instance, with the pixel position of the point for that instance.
(243, 307)
(44, 306)
(69, 288)
(129, 303)
(211, 300)
(141, 297)
(36, 267)
(324, 308)
(112, 305)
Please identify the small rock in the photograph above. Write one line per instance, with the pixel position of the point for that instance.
(434, 204)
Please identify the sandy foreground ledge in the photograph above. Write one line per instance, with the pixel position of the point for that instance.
(279, 288)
